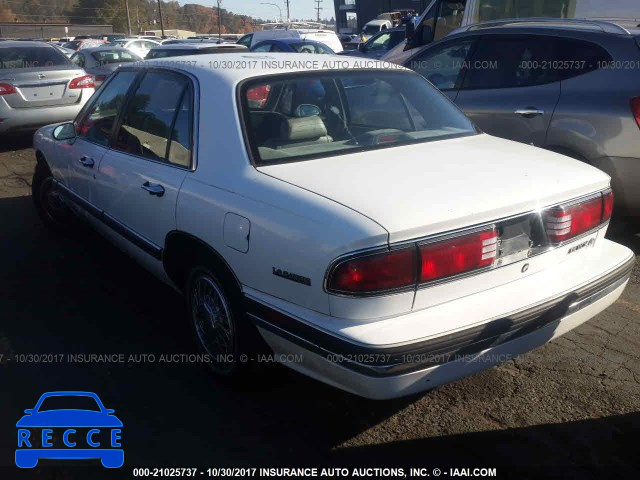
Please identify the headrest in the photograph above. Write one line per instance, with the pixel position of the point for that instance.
(304, 128)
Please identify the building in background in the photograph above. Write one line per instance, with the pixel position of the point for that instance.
(351, 15)
(50, 30)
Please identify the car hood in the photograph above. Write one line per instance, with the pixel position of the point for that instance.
(419, 190)
(68, 418)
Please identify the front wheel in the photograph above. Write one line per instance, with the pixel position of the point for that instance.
(48, 201)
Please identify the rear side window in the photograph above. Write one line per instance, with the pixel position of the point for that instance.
(114, 56)
(577, 57)
(246, 40)
(31, 57)
(510, 62)
(156, 123)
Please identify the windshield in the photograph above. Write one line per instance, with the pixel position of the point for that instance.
(305, 47)
(32, 57)
(371, 29)
(115, 56)
(69, 402)
(499, 9)
(302, 116)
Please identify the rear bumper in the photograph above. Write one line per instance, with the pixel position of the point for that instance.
(625, 180)
(16, 120)
(394, 371)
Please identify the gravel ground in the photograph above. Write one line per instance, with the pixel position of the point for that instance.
(568, 410)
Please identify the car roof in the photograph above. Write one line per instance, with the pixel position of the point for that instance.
(200, 46)
(105, 48)
(26, 43)
(546, 24)
(251, 65)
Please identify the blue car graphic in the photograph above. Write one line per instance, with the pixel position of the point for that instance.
(36, 431)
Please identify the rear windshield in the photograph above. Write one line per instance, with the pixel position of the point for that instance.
(302, 116)
(115, 56)
(32, 57)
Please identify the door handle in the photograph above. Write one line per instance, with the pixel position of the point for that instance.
(529, 112)
(87, 162)
(153, 189)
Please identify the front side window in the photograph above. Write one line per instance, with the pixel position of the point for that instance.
(153, 124)
(96, 125)
(443, 66)
(510, 62)
(266, 47)
(246, 40)
(303, 116)
(379, 43)
(450, 17)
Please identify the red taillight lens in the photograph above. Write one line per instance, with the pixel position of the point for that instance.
(635, 108)
(375, 273)
(86, 81)
(259, 95)
(458, 255)
(6, 89)
(607, 199)
(568, 222)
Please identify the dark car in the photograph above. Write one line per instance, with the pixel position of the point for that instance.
(292, 45)
(568, 86)
(379, 44)
(180, 49)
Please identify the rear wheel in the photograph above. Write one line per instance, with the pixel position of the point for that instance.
(49, 202)
(218, 322)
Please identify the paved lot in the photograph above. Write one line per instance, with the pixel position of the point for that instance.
(570, 408)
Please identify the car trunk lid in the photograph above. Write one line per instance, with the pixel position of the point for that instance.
(420, 190)
(41, 87)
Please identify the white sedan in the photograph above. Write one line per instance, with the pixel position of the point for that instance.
(353, 220)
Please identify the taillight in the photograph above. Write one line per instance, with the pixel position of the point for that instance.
(566, 222)
(259, 94)
(458, 255)
(635, 109)
(375, 273)
(86, 81)
(6, 89)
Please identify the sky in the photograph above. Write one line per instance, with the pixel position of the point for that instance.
(299, 8)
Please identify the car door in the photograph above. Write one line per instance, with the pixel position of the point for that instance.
(444, 64)
(511, 89)
(140, 176)
(94, 127)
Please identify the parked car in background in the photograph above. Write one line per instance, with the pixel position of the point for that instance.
(378, 45)
(292, 45)
(373, 28)
(100, 62)
(138, 46)
(181, 49)
(190, 41)
(560, 86)
(112, 37)
(76, 45)
(294, 220)
(442, 17)
(346, 38)
(328, 37)
(66, 51)
(38, 86)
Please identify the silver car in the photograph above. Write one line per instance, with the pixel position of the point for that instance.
(571, 86)
(39, 86)
(100, 62)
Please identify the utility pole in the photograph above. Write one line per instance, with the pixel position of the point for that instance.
(219, 23)
(161, 20)
(318, 8)
(126, 6)
(288, 12)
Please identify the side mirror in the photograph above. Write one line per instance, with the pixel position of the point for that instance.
(66, 131)
(361, 47)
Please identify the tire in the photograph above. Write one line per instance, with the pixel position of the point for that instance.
(49, 204)
(218, 322)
